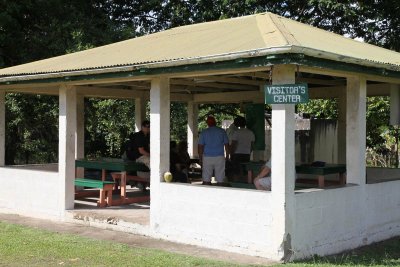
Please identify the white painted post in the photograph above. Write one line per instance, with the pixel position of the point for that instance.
(341, 128)
(140, 113)
(356, 130)
(283, 167)
(159, 140)
(394, 104)
(192, 128)
(80, 132)
(2, 128)
(66, 146)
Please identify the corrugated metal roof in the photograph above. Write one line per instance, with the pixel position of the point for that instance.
(212, 41)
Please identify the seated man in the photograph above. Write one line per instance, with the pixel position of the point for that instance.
(263, 180)
(138, 148)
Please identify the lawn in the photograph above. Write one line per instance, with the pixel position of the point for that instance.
(23, 246)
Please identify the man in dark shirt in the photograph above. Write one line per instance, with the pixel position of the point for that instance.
(138, 148)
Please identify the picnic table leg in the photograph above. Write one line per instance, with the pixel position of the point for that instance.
(250, 176)
(103, 174)
(321, 181)
(342, 178)
(102, 200)
(109, 189)
(123, 186)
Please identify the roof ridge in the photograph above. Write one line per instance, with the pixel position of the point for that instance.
(284, 32)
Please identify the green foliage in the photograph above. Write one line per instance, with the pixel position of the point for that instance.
(32, 129)
(178, 121)
(107, 126)
(220, 112)
(320, 108)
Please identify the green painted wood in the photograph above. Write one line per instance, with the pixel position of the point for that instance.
(327, 169)
(304, 168)
(91, 183)
(111, 165)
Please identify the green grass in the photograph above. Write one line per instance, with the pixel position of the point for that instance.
(23, 246)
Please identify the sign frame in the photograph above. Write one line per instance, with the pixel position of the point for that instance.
(286, 93)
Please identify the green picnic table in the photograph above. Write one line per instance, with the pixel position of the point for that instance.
(254, 167)
(118, 165)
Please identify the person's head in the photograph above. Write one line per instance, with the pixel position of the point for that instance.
(242, 122)
(146, 127)
(211, 121)
(236, 122)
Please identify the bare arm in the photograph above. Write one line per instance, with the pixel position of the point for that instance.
(263, 172)
(227, 150)
(143, 152)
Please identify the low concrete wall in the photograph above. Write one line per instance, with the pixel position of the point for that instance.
(380, 174)
(335, 220)
(236, 220)
(30, 190)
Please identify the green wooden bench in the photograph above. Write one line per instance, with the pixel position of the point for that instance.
(105, 187)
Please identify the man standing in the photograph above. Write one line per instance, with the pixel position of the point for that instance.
(139, 145)
(211, 146)
(241, 146)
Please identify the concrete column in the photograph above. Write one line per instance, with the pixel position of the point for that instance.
(341, 128)
(356, 130)
(80, 132)
(192, 128)
(2, 127)
(283, 167)
(140, 113)
(66, 146)
(394, 104)
(159, 140)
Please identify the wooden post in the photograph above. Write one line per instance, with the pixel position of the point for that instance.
(140, 112)
(66, 146)
(283, 166)
(159, 140)
(356, 130)
(192, 128)
(341, 128)
(80, 132)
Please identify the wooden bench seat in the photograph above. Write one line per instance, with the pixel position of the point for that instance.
(135, 178)
(105, 187)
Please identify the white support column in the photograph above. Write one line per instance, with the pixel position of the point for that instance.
(66, 146)
(159, 140)
(192, 128)
(80, 132)
(140, 112)
(2, 127)
(356, 130)
(341, 128)
(283, 166)
(394, 104)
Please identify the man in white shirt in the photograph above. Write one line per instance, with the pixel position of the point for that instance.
(241, 146)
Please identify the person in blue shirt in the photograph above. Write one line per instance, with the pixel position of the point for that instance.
(212, 143)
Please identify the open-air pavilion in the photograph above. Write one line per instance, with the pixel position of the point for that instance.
(224, 61)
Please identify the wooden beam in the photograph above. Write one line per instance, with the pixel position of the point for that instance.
(321, 81)
(231, 80)
(211, 84)
(104, 92)
(232, 97)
